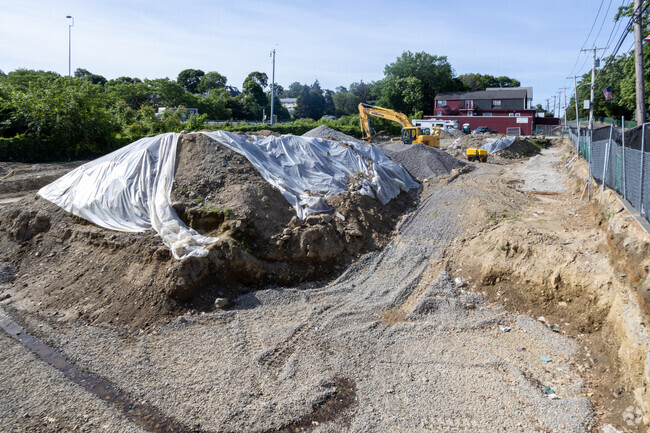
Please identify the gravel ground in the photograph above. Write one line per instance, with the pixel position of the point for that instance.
(411, 350)
(331, 134)
(423, 162)
(37, 398)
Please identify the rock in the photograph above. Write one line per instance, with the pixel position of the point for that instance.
(220, 302)
(286, 231)
(326, 217)
(312, 220)
(7, 272)
(459, 282)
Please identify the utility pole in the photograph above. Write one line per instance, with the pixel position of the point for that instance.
(575, 89)
(272, 84)
(565, 108)
(593, 86)
(638, 64)
(70, 26)
(547, 107)
(554, 105)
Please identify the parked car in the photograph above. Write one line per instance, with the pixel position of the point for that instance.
(483, 130)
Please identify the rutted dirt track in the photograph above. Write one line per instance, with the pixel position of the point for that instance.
(391, 344)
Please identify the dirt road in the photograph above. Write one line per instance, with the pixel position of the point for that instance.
(391, 344)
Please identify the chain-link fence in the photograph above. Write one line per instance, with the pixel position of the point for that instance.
(620, 160)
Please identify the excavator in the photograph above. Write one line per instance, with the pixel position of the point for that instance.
(410, 134)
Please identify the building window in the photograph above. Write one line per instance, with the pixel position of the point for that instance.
(517, 114)
(439, 113)
(469, 104)
(469, 113)
(496, 103)
(511, 114)
(487, 114)
(442, 103)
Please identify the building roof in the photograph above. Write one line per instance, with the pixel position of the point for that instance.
(504, 93)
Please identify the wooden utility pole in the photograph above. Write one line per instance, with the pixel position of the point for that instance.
(593, 86)
(638, 64)
(575, 89)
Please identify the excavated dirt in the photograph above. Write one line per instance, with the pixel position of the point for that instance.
(18, 179)
(393, 344)
(97, 275)
(523, 148)
(546, 260)
(520, 149)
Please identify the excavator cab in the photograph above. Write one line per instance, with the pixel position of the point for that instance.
(409, 135)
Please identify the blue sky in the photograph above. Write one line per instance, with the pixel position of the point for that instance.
(336, 42)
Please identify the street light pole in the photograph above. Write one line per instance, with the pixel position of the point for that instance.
(272, 85)
(70, 26)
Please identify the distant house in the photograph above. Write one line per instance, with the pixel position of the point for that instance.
(289, 104)
(506, 110)
(188, 111)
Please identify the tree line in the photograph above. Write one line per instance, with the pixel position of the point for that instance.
(46, 116)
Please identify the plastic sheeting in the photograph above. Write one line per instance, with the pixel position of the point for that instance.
(498, 144)
(129, 189)
(306, 170)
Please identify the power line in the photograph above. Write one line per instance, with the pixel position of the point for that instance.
(586, 40)
(593, 24)
(603, 22)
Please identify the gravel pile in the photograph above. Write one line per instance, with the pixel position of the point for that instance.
(423, 162)
(328, 133)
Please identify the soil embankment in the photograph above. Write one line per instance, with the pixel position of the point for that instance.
(393, 343)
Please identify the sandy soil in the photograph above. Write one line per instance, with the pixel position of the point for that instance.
(391, 344)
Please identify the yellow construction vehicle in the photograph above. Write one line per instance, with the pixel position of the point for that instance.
(476, 154)
(410, 134)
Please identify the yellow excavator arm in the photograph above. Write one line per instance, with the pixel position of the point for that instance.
(410, 133)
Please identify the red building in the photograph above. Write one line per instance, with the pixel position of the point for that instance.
(505, 110)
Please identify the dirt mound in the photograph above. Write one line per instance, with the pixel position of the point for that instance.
(328, 133)
(524, 148)
(422, 161)
(70, 269)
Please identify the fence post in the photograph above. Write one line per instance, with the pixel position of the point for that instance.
(623, 140)
(641, 175)
(608, 146)
(591, 136)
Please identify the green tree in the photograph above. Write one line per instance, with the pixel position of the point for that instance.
(253, 99)
(131, 91)
(481, 82)
(215, 104)
(405, 95)
(311, 103)
(93, 78)
(362, 90)
(62, 118)
(190, 79)
(211, 80)
(345, 103)
(163, 92)
(434, 73)
(295, 89)
(22, 78)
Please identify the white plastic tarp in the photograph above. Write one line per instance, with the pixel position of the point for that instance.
(496, 145)
(306, 169)
(129, 189)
